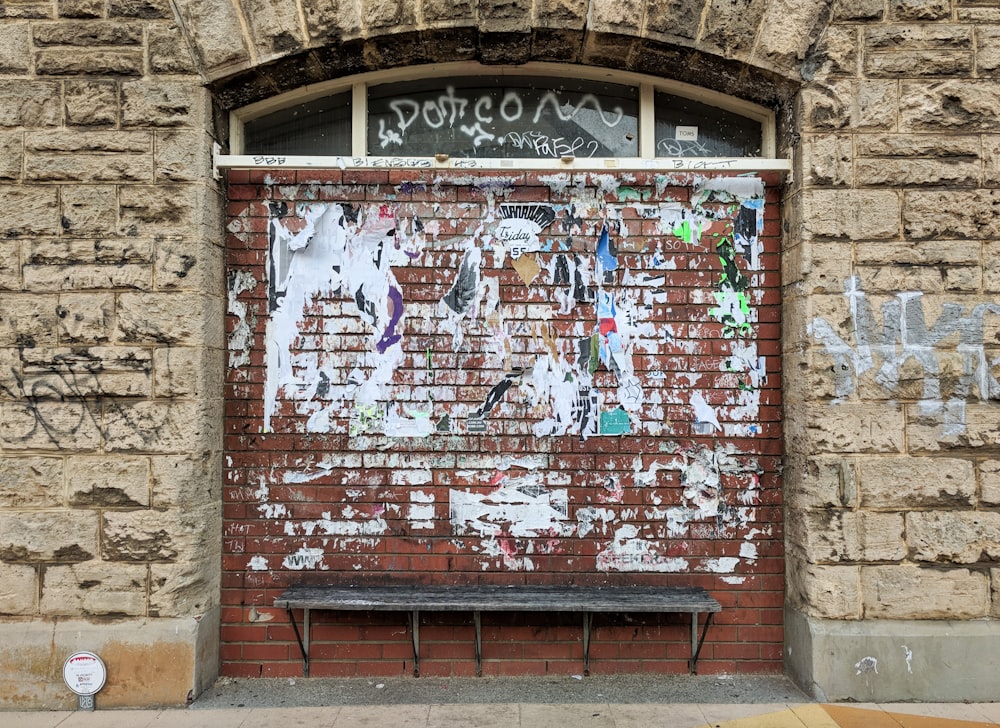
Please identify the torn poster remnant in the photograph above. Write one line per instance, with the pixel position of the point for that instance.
(352, 307)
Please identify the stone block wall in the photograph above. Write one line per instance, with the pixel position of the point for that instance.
(111, 345)
(112, 292)
(893, 312)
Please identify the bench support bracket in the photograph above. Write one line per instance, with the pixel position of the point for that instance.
(477, 618)
(415, 633)
(303, 644)
(696, 643)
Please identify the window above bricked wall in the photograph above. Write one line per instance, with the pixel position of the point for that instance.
(545, 113)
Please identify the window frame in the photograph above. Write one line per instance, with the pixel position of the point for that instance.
(647, 159)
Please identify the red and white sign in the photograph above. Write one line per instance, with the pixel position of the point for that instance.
(84, 673)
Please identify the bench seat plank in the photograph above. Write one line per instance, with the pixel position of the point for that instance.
(500, 598)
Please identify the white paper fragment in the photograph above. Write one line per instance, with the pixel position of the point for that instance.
(703, 412)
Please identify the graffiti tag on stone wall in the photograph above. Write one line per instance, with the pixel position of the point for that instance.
(78, 398)
(948, 358)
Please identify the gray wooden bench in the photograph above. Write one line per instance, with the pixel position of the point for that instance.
(478, 599)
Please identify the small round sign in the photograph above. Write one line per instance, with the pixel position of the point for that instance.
(84, 673)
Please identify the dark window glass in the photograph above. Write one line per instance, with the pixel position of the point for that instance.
(514, 116)
(320, 127)
(686, 128)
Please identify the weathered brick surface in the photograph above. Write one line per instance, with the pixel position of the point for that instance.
(318, 482)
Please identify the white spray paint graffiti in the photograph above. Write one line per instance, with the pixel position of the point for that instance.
(904, 336)
(866, 665)
(496, 117)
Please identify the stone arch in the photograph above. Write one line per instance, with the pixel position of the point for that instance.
(752, 49)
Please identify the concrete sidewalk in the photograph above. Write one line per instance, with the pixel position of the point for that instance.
(526, 715)
(552, 701)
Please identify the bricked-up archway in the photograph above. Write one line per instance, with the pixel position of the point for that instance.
(411, 402)
(879, 125)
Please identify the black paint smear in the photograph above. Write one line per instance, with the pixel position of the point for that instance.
(381, 249)
(323, 388)
(365, 307)
(571, 220)
(496, 394)
(560, 276)
(273, 295)
(463, 293)
(581, 293)
(340, 288)
(278, 209)
(584, 406)
(745, 224)
(187, 263)
(583, 358)
(350, 212)
(732, 276)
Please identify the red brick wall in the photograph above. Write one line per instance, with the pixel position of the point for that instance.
(350, 452)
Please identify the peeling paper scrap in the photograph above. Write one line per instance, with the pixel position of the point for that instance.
(628, 552)
(703, 412)
(526, 267)
(510, 510)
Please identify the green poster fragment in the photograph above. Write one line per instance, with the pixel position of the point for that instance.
(615, 422)
(628, 194)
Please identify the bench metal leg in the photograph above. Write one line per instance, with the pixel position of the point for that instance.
(587, 619)
(696, 644)
(478, 620)
(415, 632)
(303, 646)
